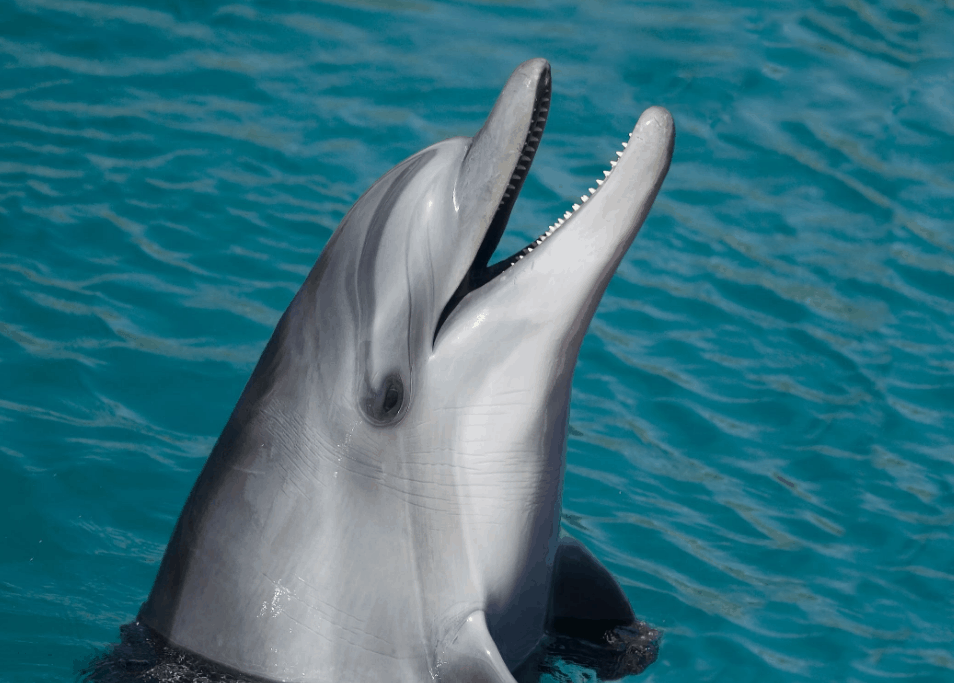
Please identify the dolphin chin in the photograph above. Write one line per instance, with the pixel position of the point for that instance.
(384, 501)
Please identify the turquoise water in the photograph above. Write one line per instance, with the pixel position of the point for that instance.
(763, 410)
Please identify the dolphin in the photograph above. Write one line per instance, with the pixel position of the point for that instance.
(384, 501)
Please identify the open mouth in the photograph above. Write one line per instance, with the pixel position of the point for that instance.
(480, 272)
(581, 261)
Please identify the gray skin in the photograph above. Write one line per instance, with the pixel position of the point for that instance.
(384, 502)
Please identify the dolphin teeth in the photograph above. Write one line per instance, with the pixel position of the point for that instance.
(566, 215)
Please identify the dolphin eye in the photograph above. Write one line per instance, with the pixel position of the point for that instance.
(385, 404)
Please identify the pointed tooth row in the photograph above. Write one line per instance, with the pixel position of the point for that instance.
(566, 216)
(529, 148)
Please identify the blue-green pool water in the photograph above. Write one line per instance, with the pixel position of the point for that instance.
(763, 410)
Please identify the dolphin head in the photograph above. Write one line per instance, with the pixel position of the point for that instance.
(395, 463)
(404, 295)
(411, 248)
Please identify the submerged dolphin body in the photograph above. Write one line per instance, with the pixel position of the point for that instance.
(384, 502)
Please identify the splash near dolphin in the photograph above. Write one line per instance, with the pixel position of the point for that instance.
(384, 501)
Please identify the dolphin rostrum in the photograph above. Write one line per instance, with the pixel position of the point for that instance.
(384, 501)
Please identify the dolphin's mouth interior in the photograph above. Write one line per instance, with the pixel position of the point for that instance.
(480, 272)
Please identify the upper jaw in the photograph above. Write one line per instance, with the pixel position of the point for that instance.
(510, 139)
(494, 168)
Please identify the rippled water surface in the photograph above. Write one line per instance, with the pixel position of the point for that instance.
(763, 409)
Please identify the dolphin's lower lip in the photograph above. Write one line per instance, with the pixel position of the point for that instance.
(480, 272)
